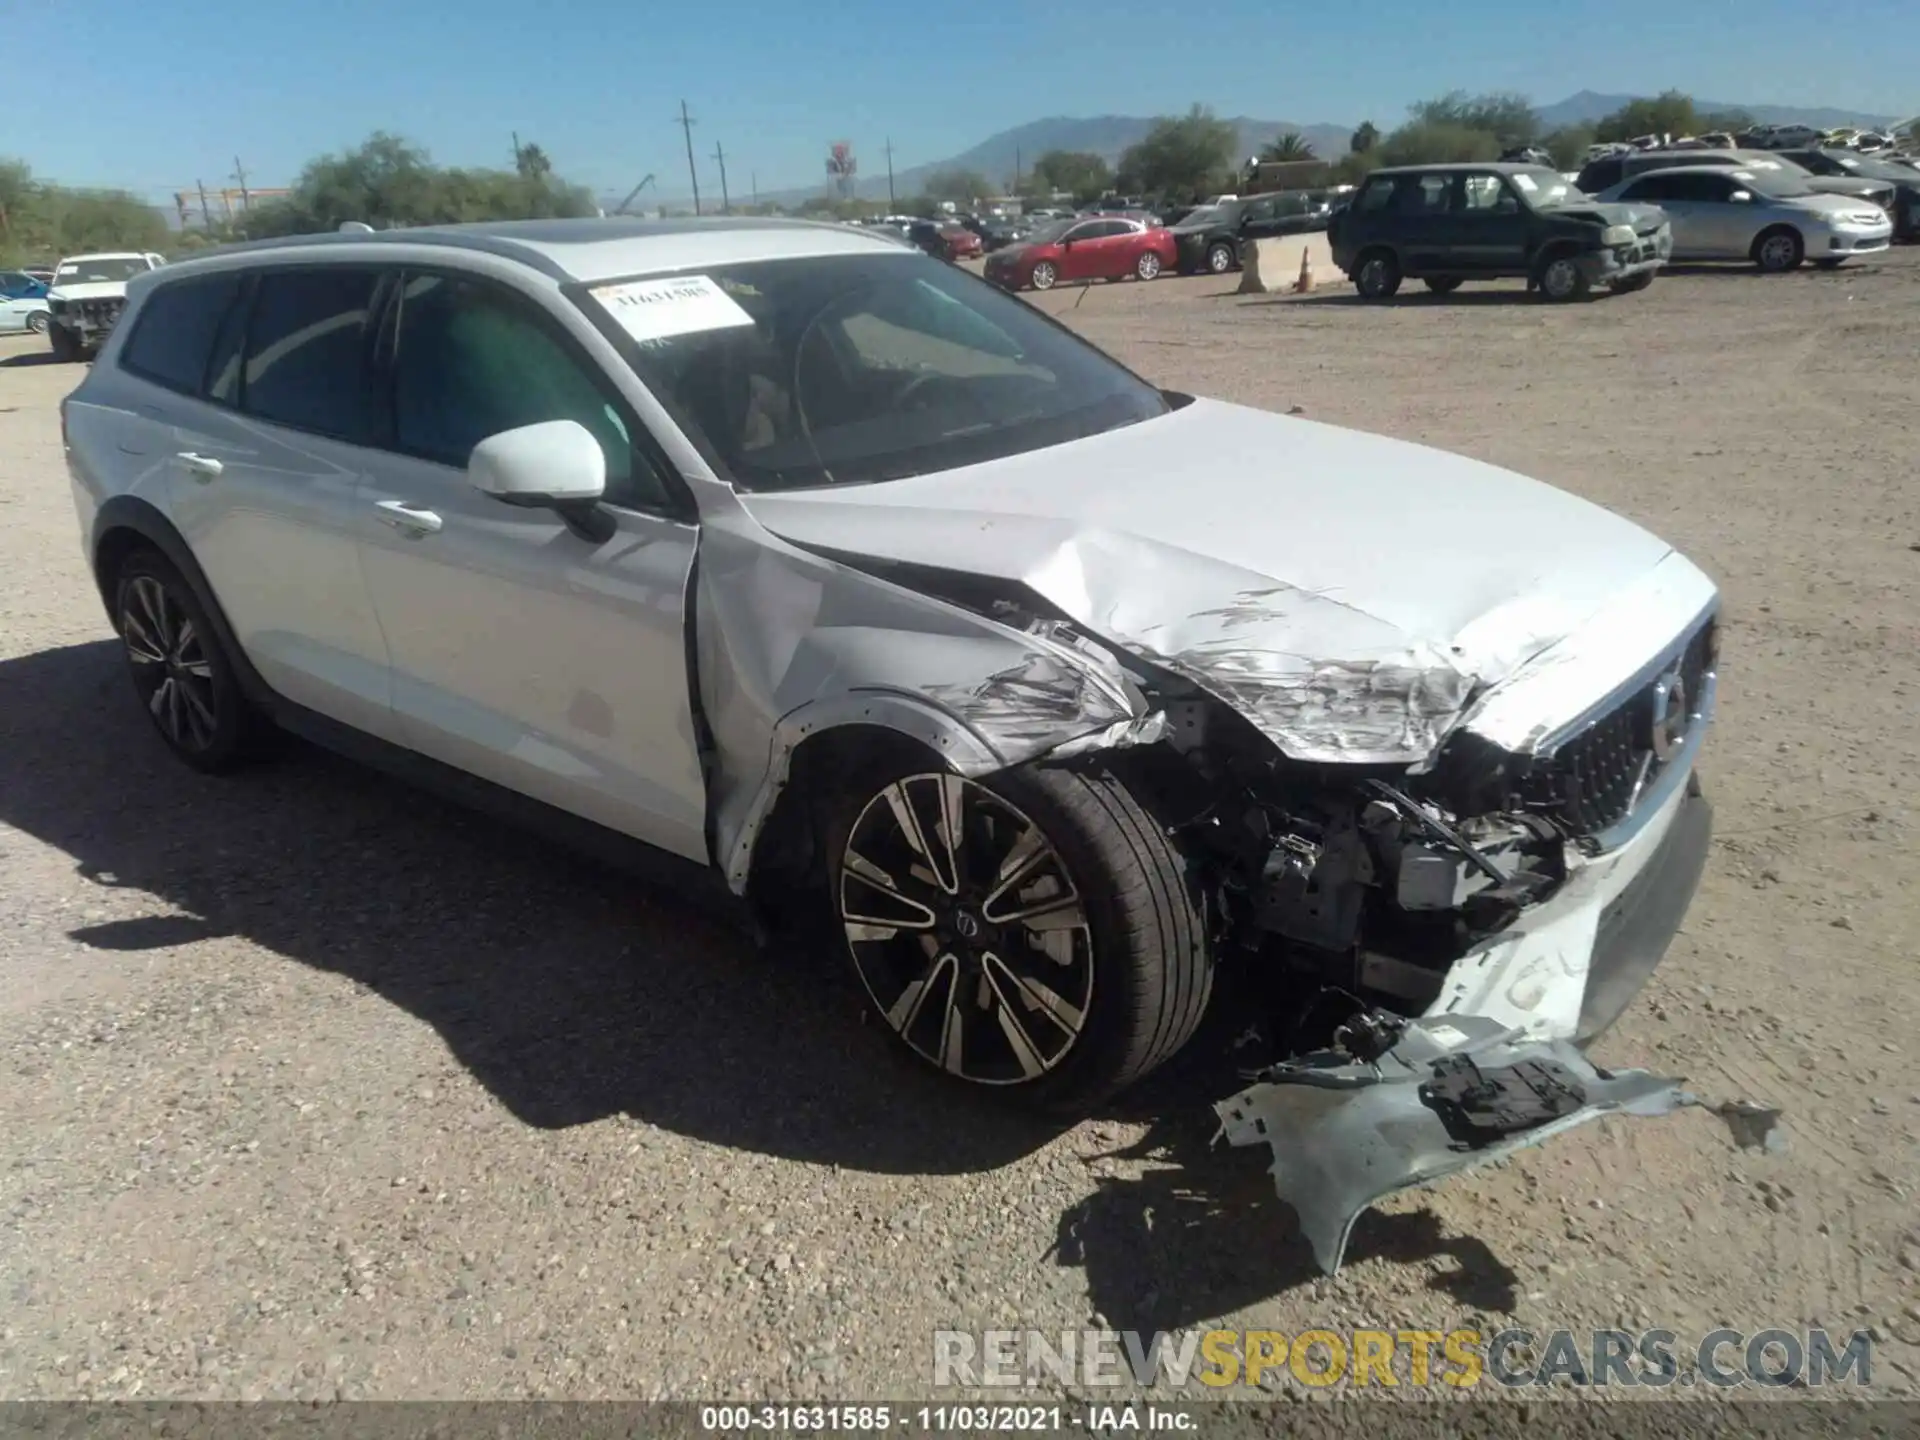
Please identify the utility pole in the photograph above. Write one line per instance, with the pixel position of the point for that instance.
(206, 215)
(753, 177)
(240, 177)
(1016, 169)
(890, 200)
(720, 159)
(516, 151)
(685, 122)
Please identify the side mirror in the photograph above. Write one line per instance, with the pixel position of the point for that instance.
(555, 465)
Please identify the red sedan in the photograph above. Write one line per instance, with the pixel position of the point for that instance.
(1093, 247)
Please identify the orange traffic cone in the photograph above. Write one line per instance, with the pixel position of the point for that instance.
(1304, 285)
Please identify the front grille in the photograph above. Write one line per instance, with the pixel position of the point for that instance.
(103, 311)
(1593, 780)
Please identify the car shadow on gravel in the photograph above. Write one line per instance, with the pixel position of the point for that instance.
(570, 990)
(31, 357)
(1192, 1230)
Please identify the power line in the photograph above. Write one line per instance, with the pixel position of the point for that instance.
(686, 123)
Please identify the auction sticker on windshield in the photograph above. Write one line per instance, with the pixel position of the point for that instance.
(680, 305)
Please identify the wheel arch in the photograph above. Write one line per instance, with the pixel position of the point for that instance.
(126, 523)
(824, 741)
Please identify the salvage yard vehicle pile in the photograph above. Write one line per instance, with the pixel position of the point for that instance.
(1057, 699)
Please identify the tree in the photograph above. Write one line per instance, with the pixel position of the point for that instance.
(1364, 139)
(39, 221)
(1079, 172)
(532, 162)
(1434, 142)
(1181, 154)
(955, 183)
(1509, 118)
(1672, 112)
(388, 182)
(1290, 146)
(1568, 145)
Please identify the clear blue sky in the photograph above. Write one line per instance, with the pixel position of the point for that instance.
(154, 94)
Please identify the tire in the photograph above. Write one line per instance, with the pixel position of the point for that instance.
(1044, 275)
(1124, 974)
(1562, 280)
(37, 322)
(1221, 258)
(65, 348)
(184, 677)
(1443, 284)
(1779, 250)
(1376, 275)
(1633, 284)
(1147, 267)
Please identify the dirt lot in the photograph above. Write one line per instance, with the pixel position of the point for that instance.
(314, 1086)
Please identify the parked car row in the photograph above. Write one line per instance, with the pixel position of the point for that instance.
(1447, 224)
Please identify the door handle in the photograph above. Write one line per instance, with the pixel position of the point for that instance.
(404, 517)
(202, 467)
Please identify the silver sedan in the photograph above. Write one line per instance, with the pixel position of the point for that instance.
(1774, 220)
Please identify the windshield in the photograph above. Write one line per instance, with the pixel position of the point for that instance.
(1545, 189)
(849, 369)
(88, 272)
(1205, 215)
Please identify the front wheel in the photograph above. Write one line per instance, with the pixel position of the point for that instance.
(1044, 275)
(65, 347)
(1779, 251)
(1032, 933)
(1147, 266)
(1561, 279)
(37, 322)
(1220, 257)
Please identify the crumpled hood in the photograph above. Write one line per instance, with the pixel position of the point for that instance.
(1348, 593)
(1618, 212)
(90, 290)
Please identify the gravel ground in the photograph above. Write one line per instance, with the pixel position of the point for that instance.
(317, 1087)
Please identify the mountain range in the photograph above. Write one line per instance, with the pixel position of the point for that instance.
(999, 155)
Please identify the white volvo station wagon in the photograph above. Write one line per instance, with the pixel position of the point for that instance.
(876, 595)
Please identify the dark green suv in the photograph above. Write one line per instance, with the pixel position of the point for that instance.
(1445, 224)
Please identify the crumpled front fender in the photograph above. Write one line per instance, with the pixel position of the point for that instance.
(790, 643)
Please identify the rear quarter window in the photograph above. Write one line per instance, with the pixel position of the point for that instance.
(173, 334)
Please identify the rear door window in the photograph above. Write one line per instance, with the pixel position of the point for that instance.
(173, 335)
(307, 362)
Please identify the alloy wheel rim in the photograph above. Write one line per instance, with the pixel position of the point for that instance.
(1219, 259)
(967, 929)
(170, 664)
(1559, 278)
(1149, 266)
(1776, 251)
(1374, 275)
(1043, 276)
(37, 324)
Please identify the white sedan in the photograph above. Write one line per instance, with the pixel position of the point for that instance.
(1771, 218)
(25, 314)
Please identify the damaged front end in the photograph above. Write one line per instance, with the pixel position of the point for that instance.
(1446, 897)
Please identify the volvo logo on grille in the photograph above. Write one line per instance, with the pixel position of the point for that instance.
(1670, 718)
